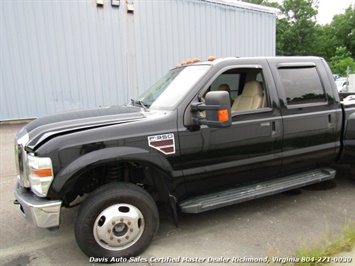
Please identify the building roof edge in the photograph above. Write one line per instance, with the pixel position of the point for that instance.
(246, 5)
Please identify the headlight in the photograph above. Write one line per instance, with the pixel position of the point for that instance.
(40, 174)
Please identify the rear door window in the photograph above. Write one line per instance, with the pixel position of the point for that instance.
(302, 85)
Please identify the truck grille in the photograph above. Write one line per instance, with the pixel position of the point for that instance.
(21, 161)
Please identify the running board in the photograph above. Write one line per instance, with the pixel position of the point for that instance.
(240, 194)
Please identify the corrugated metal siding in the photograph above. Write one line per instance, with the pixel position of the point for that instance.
(168, 32)
(64, 55)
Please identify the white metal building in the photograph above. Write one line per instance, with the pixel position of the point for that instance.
(64, 55)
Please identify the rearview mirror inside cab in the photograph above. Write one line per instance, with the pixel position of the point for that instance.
(217, 108)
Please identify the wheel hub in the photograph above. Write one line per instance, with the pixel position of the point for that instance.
(118, 226)
(120, 229)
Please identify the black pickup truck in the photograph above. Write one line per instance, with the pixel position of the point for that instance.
(206, 135)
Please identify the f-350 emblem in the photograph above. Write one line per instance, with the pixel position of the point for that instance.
(164, 143)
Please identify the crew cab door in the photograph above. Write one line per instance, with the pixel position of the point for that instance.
(247, 151)
(311, 114)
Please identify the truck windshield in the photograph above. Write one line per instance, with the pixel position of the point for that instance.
(172, 87)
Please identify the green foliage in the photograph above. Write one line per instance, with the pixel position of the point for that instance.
(329, 246)
(299, 10)
(341, 61)
(259, 2)
(297, 33)
(326, 43)
(344, 29)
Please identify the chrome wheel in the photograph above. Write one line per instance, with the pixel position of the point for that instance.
(117, 220)
(118, 227)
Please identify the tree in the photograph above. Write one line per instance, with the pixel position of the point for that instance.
(325, 42)
(300, 10)
(258, 2)
(341, 61)
(343, 26)
(263, 2)
(296, 32)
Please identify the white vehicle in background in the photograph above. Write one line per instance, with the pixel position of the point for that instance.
(342, 84)
(349, 100)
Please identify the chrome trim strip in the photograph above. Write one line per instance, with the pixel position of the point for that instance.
(21, 160)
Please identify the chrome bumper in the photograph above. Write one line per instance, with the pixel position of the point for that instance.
(40, 212)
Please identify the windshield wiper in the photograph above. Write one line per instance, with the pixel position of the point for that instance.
(143, 104)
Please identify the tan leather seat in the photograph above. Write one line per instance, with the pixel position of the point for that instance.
(251, 97)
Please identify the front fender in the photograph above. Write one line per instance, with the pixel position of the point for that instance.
(102, 156)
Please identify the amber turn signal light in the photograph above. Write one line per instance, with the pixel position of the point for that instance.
(223, 115)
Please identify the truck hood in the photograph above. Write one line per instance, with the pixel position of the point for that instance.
(44, 128)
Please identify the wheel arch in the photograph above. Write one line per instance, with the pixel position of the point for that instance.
(101, 157)
(160, 173)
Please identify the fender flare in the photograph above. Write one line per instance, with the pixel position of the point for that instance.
(347, 152)
(102, 156)
(349, 133)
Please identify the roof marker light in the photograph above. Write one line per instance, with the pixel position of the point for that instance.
(211, 58)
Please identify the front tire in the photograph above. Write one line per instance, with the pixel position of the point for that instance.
(116, 220)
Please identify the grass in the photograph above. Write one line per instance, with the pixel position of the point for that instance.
(328, 247)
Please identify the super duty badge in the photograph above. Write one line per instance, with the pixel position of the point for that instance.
(164, 143)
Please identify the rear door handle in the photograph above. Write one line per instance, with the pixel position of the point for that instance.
(275, 128)
(331, 120)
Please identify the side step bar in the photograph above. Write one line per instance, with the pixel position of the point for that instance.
(240, 194)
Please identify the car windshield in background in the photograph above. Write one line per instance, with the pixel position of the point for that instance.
(172, 87)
